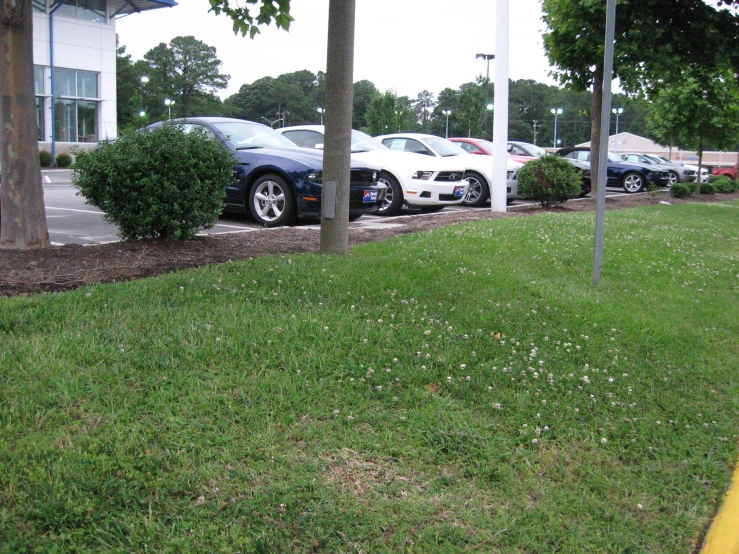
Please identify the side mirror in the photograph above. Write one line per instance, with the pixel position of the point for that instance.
(319, 146)
(510, 148)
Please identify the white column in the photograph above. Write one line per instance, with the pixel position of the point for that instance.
(499, 186)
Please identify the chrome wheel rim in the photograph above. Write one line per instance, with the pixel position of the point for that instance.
(474, 190)
(632, 183)
(673, 178)
(269, 201)
(388, 195)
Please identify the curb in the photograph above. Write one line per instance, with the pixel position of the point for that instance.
(723, 535)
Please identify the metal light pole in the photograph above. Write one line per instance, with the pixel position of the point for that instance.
(320, 111)
(600, 204)
(618, 112)
(447, 113)
(557, 112)
(499, 186)
(169, 103)
(144, 80)
(486, 57)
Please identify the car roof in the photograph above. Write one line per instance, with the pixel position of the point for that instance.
(410, 135)
(318, 128)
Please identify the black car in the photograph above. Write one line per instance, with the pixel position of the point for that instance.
(274, 180)
(633, 177)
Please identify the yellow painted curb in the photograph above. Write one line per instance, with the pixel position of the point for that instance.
(723, 536)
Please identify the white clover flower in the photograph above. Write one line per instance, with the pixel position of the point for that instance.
(336, 412)
(603, 440)
(534, 441)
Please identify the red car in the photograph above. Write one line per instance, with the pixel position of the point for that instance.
(484, 147)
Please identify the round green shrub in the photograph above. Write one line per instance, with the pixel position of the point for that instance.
(692, 187)
(550, 180)
(63, 160)
(44, 158)
(157, 183)
(725, 185)
(680, 190)
(708, 188)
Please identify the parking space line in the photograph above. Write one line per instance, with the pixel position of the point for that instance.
(73, 210)
(233, 226)
(47, 178)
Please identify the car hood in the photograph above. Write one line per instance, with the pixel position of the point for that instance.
(404, 162)
(311, 158)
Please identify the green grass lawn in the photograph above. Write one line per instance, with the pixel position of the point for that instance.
(461, 390)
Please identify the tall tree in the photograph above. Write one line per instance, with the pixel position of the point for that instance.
(364, 91)
(655, 40)
(700, 110)
(23, 221)
(423, 105)
(186, 69)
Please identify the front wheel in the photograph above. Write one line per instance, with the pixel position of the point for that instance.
(673, 178)
(478, 190)
(271, 201)
(633, 182)
(393, 201)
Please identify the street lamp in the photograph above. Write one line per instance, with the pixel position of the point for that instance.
(169, 103)
(320, 111)
(618, 112)
(557, 112)
(487, 57)
(144, 80)
(447, 113)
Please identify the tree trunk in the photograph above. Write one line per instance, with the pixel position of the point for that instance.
(338, 136)
(23, 219)
(700, 165)
(595, 129)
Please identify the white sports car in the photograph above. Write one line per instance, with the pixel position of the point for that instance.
(427, 184)
(478, 169)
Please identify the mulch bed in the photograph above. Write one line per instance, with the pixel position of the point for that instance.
(71, 266)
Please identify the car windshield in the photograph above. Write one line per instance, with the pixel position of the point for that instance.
(653, 159)
(244, 135)
(362, 142)
(662, 160)
(486, 144)
(535, 151)
(444, 147)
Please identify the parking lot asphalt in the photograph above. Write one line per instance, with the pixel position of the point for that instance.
(72, 221)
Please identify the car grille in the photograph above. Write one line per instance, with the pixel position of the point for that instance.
(449, 176)
(363, 176)
(689, 172)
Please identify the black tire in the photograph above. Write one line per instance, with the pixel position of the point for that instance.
(393, 201)
(272, 202)
(632, 182)
(478, 191)
(673, 178)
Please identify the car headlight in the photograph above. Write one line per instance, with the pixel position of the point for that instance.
(316, 176)
(423, 175)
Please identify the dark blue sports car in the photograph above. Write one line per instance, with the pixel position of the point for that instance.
(276, 181)
(633, 177)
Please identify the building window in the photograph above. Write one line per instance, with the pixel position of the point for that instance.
(39, 5)
(90, 10)
(76, 105)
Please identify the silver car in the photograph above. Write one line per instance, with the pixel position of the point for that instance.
(678, 172)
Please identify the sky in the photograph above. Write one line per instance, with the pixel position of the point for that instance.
(405, 45)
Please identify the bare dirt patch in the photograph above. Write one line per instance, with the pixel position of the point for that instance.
(68, 267)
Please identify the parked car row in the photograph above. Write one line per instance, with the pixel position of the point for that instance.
(280, 172)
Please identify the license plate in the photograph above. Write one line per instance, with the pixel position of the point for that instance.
(458, 192)
(370, 196)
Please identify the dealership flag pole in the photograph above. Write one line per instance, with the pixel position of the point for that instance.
(605, 119)
(499, 186)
